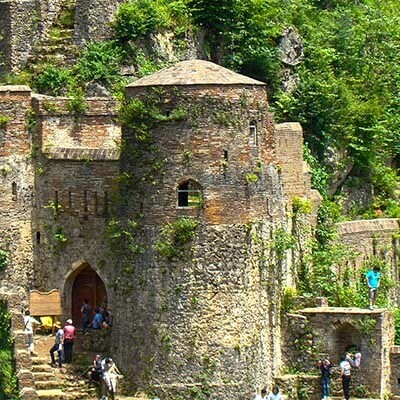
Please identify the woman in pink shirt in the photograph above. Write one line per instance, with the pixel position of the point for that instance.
(69, 336)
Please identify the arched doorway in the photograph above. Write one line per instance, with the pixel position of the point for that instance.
(346, 338)
(87, 283)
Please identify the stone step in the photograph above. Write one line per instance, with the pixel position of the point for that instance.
(52, 394)
(43, 375)
(38, 360)
(41, 368)
(49, 384)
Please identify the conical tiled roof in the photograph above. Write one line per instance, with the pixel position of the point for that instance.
(194, 72)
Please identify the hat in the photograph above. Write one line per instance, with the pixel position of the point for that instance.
(69, 321)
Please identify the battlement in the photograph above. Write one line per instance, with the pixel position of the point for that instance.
(62, 134)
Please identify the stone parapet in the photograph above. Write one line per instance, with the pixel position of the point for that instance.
(369, 226)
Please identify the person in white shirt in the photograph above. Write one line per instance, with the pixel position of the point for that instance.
(262, 396)
(275, 394)
(29, 323)
(345, 368)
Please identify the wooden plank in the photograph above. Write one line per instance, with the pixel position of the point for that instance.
(45, 303)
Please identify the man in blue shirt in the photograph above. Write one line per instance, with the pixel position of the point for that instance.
(98, 319)
(373, 279)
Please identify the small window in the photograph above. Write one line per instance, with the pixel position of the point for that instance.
(189, 194)
(253, 133)
(106, 204)
(14, 191)
(96, 203)
(85, 201)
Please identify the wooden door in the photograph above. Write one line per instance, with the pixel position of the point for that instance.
(86, 284)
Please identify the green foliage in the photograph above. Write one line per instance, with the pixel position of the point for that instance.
(3, 259)
(319, 175)
(53, 81)
(139, 18)
(60, 235)
(54, 207)
(77, 104)
(283, 241)
(4, 119)
(337, 103)
(123, 234)
(8, 379)
(251, 178)
(288, 299)
(100, 61)
(175, 236)
(396, 314)
(301, 205)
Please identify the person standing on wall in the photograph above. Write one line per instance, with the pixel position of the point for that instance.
(325, 368)
(345, 369)
(373, 278)
(69, 337)
(29, 323)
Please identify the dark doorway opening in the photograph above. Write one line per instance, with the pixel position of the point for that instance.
(87, 284)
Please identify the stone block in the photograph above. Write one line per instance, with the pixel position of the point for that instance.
(25, 378)
(28, 393)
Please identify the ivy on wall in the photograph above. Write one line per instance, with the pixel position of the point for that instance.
(8, 379)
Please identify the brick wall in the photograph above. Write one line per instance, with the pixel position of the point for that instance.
(221, 155)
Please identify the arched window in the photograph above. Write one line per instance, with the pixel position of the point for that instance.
(253, 133)
(190, 194)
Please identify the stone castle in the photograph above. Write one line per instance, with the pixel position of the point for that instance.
(59, 173)
(174, 215)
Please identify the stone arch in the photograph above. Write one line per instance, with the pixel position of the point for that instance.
(346, 337)
(81, 281)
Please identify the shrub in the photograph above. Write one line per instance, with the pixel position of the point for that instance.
(8, 380)
(175, 236)
(53, 81)
(139, 18)
(99, 62)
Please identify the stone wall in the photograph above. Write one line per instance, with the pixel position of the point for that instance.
(395, 375)
(221, 155)
(371, 332)
(93, 20)
(24, 24)
(206, 320)
(74, 182)
(16, 177)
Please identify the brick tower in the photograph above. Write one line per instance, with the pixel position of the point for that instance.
(199, 298)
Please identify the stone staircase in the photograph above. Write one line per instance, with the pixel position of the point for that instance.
(66, 383)
(52, 383)
(58, 47)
